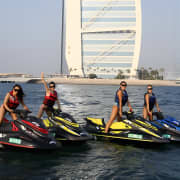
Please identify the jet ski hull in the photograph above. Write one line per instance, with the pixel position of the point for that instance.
(123, 131)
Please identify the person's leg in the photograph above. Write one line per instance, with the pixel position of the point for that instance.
(118, 118)
(145, 114)
(150, 115)
(13, 116)
(112, 118)
(48, 112)
(2, 113)
(41, 110)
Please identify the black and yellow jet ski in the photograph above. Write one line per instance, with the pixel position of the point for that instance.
(135, 130)
(65, 127)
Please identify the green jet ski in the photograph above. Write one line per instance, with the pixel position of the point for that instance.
(137, 130)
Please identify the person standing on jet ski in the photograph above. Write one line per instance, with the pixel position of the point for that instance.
(50, 98)
(12, 101)
(149, 102)
(121, 98)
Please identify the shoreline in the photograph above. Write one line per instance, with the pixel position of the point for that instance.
(86, 81)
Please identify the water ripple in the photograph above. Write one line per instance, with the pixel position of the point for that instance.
(97, 159)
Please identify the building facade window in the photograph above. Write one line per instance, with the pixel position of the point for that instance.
(110, 36)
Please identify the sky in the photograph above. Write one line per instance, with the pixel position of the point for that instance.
(30, 36)
(161, 36)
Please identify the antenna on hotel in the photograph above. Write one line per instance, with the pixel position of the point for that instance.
(62, 38)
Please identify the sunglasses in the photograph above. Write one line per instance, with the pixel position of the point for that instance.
(150, 88)
(16, 90)
(52, 86)
(123, 85)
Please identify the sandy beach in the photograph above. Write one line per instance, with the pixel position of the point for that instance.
(87, 81)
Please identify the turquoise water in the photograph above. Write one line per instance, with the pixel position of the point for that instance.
(96, 159)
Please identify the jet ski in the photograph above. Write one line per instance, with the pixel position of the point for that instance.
(129, 129)
(65, 127)
(169, 125)
(26, 132)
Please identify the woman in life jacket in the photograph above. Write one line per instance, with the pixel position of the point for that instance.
(50, 98)
(121, 98)
(12, 101)
(149, 102)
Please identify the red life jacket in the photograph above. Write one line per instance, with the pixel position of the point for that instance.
(50, 100)
(13, 101)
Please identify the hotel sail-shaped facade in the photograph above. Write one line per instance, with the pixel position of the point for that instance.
(103, 37)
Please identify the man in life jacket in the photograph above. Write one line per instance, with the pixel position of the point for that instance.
(50, 98)
(12, 101)
(121, 99)
(149, 102)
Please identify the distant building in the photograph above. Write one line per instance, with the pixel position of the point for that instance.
(102, 37)
(7, 75)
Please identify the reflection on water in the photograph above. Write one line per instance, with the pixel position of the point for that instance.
(96, 159)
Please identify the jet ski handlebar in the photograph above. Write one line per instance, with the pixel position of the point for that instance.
(54, 111)
(22, 113)
(128, 114)
(159, 115)
(131, 115)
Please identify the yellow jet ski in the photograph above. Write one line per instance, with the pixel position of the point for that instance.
(139, 130)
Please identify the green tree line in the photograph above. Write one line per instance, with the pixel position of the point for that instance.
(150, 73)
(145, 74)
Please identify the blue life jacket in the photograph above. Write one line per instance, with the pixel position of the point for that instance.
(124, 97)
(152, 100)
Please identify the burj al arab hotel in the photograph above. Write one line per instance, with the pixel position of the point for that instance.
(102, 37)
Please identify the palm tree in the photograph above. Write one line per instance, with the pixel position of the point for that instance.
(120, 75)
(150, 69)
(161, 71)
(137, 73)
(128, 73)
(142, 72)
(154, 74)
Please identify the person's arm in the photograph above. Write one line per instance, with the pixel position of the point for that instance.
(157, 106)
(149, 113)
(130, 107)
(120, 103)
(44, 82)
(147, 102)
(6, 99)
(58, 103)
(24, 106)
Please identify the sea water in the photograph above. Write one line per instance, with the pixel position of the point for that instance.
(95, 159)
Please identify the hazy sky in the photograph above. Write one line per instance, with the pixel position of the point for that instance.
(30, 33)
(161, 35)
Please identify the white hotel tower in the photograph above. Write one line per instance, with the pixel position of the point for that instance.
(102, 37)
